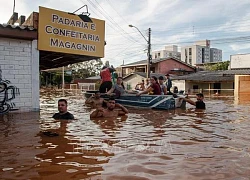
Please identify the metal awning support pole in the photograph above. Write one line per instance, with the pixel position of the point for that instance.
(63, 83)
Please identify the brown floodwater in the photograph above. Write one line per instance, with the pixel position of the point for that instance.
(145, 144)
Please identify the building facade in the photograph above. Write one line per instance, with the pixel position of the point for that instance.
(215, 55)
(200, 53)
(168, 52)
(162, 66)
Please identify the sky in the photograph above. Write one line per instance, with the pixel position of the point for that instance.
(173, 22)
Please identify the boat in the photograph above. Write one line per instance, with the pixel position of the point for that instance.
(164, 102)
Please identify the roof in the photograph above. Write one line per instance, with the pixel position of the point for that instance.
(59, 69)
(209, 63)
(213, 76)
(144, 62)
(237, 72)
(18, 32)
(143, 74)
(17, 27)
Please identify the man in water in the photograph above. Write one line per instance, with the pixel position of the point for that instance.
(63, 110)
(199, 104)
(110, 111)
(95, 101)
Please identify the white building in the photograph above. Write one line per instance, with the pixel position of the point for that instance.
(200, 53)
(169, 51)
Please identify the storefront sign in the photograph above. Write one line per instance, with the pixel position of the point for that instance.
(67, 33)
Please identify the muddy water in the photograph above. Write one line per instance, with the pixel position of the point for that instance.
(146, 144)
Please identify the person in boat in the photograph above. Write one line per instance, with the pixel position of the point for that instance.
(168, 83)
(63, 110)
(106, 79)
(154, 88)
(147, 85)
(163, 86)
(137, 87)
(113, 110)
(142, 85)
(199, 104)
(118, 88)
(95, 101)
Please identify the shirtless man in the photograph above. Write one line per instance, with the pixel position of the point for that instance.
(110, 111)
(95, 101)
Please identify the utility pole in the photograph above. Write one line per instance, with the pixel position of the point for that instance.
(149, 53)
(149, 48)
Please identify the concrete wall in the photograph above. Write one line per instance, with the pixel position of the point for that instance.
(239, 61)
(132, 81)
(180, 84)
(19, 62)
(188, 86)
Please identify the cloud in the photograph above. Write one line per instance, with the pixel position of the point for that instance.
(237, 47)
(172, 21)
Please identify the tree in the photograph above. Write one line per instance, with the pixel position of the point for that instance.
(218, 66)
(86, 69)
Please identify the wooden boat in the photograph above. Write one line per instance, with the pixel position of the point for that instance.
(147, 101)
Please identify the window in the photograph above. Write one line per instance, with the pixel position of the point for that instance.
(159, 54)
(203, 55)
(195, 87)
(190, 51)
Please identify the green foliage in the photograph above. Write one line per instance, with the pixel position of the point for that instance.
(79, 70)
(86, 69)
(218, 66)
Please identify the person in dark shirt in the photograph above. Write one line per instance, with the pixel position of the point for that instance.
(154, 88)
(63, 112)
(168, 83)
(199, 104)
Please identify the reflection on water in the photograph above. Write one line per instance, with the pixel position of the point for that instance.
(145, 144)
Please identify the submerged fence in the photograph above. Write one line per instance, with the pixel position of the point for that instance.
(211, 91)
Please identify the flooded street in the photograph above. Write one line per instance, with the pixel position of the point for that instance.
(145, 144)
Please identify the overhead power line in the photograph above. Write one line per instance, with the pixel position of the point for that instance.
(111, 20)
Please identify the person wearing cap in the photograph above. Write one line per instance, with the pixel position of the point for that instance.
(199, 104)
(168, 82)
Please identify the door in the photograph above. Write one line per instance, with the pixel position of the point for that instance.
(217, 87)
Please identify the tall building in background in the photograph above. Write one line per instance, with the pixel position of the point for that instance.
(215, 55)
(168, 52)
(200, 53)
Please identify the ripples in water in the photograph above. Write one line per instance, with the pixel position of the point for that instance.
(145, 144)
